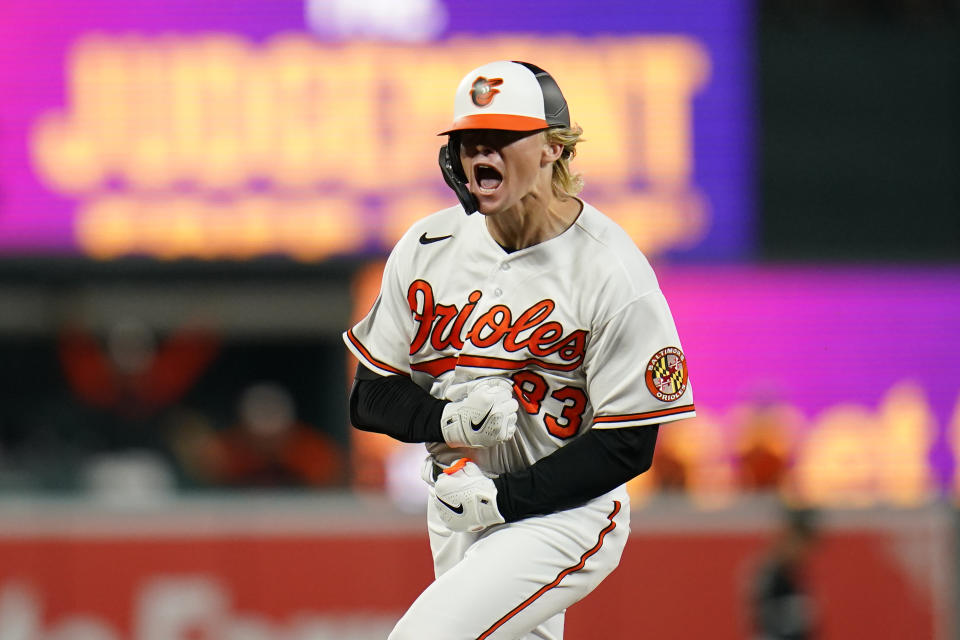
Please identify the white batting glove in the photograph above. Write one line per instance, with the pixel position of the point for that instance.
(485, 417)
(466, 499)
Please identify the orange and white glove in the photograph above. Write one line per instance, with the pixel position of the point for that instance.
(466, 499)
(485, 417)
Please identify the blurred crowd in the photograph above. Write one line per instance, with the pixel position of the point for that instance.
(119, 414)
(761, 455)
(134, 410)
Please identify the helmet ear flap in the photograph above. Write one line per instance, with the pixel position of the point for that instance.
(454, 146)
(454, 175)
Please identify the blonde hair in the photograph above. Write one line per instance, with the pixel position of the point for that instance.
(566, 183)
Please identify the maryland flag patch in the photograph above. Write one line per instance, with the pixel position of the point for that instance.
(667, 374)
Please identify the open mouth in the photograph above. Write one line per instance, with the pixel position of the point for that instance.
(487, 178)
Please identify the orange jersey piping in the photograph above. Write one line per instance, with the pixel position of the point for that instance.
(560, 576)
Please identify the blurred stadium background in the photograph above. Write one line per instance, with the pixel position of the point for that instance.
(196, 198)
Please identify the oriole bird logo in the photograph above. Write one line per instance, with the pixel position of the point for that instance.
(482, 91)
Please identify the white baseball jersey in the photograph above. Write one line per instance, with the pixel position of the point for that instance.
(577, 322)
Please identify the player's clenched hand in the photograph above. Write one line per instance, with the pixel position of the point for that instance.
(466, 499)
(485, 417)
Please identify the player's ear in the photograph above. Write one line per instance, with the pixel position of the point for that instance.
(551, 151)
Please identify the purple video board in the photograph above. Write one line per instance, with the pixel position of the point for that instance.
(206, 129)
(861, 362)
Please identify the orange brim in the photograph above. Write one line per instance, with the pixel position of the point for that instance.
(502, 121)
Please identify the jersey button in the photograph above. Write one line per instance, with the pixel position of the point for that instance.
(498, 292)
(505, 266)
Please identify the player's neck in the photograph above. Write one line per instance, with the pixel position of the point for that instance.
(533, 221)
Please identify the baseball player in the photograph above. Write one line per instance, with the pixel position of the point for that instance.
(532, 351)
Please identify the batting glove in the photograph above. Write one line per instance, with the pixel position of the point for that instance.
(485, 417)
(466, 499)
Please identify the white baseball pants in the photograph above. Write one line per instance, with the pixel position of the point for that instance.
(514, 581)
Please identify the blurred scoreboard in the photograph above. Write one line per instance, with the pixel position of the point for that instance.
(197, 129)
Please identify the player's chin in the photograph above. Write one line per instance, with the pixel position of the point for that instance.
(489, 209)
(490, 201)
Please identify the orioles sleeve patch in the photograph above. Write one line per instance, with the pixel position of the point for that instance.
(666, 374)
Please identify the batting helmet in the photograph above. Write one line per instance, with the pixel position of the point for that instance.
(507, 95)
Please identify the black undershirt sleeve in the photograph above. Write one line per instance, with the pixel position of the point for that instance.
(396, 406)
(591, 465)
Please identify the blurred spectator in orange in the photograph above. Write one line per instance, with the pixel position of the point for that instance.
(782, 608)
(762, 459)
(268, 447)
(123, 384)
(766, 428)
(134, 376)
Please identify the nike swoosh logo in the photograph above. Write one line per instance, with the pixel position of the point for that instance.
(425, 240)
(476, 426)
(456, 509)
